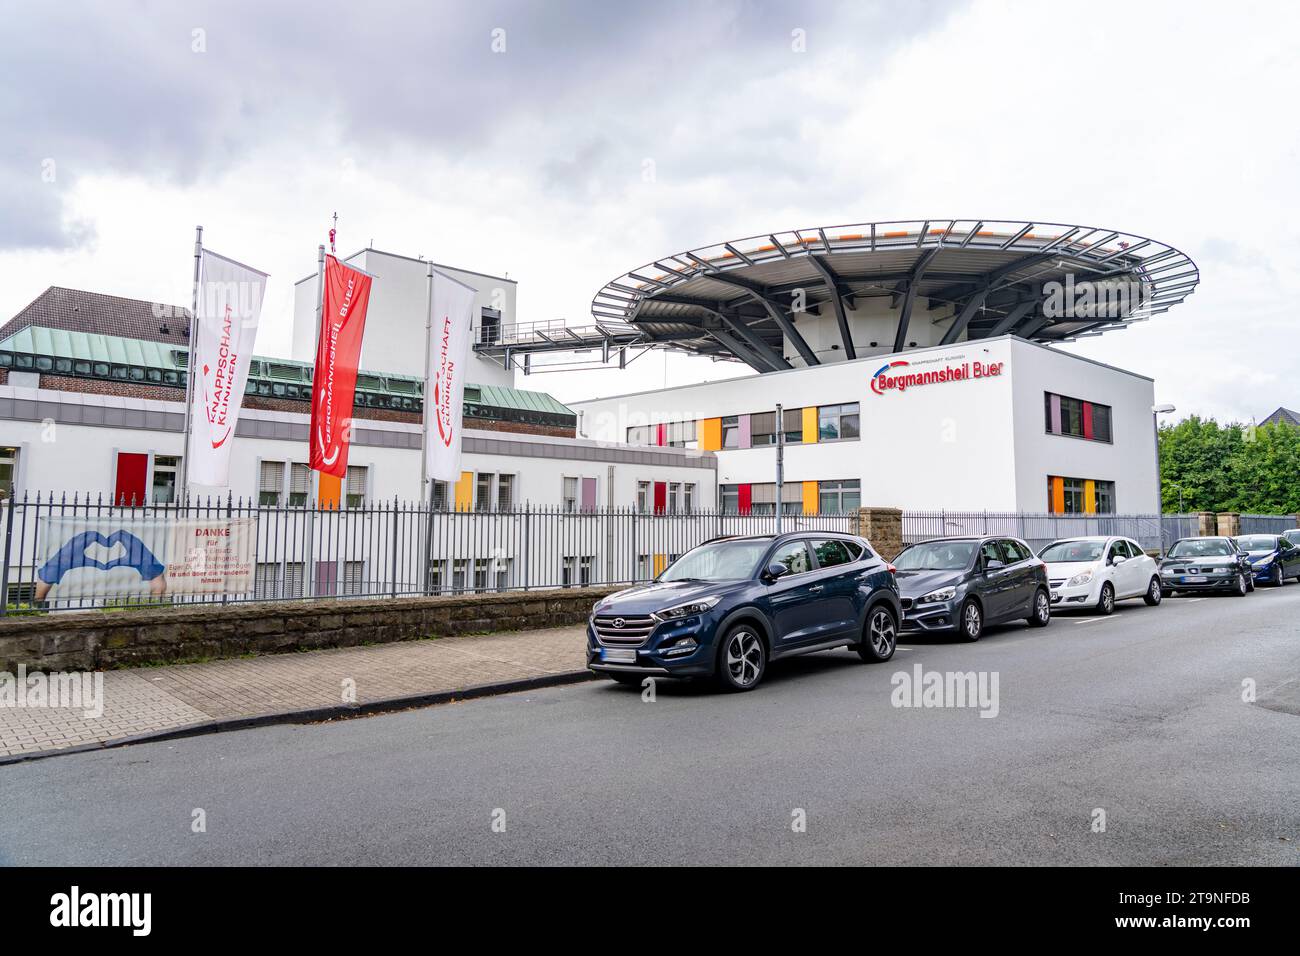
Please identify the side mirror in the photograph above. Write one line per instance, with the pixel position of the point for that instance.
(993, 565)
(1118, 560)
(775, 570)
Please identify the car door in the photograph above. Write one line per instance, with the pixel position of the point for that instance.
(792, 599)
(993, 582)
(838, 578)
(1023, 582)
(1116, 558)
(1290, 557)
(1142, 567)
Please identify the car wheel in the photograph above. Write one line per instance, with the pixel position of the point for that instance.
(971, 622)
(1155, 593)
(879, 637)
(1041, 615)
(1242, 589)
(1250, 582)
(1106, 603)
(743, 659)
(1278, 579)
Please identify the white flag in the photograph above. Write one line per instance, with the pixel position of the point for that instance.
(225, 327)
(452, 306)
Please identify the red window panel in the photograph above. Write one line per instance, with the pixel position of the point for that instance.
(661, 497)
(661, 435)
(132, 469)
(745, 498)
(1087, 419)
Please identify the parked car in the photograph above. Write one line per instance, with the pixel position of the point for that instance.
(1206, 564)
(1273, 557)
(732, 605)
(1095, 572)
(962, 585)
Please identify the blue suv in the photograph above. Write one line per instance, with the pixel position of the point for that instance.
(728, 607)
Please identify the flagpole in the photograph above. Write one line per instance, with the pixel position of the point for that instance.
(189, 363)
(424, 405)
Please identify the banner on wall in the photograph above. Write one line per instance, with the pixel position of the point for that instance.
(131, 557)
(345, 299)
(229, 305)
(451, 305)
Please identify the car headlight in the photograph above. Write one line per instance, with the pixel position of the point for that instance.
(1083, 577)
(1261, 562)
(943, 594)
(596, 607)
(687, 610)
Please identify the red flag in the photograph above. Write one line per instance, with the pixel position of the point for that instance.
(338, 352)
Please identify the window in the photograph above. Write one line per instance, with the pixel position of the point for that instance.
(458, 569)
(440, 493)
(682, 435)
(8, 470)
(480, 575)
(489, 327)
(505, 492)
(1076, 418)
(164, 478)
(839, 497)
(729, 498)
(299, 485)
(762, 498)
(266, 583)
(831, 552)
(794, 555)
(674, 497)
(570, 494)
(1106, 497)
(1010, 552)
(762, 429)
(688, 498)
(990, 552)
(1074, 496)
(502, 573)
(793, 425)
(355, 489)
(731, 431)
(577, 570)
(270, 483)
(837, 422)
(436, 573)
(354, 577)
(641, 434)
(483, 491)
(643, 499)
(294, 579)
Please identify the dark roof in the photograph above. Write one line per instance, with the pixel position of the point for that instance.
(76, 311)
(1283, 415)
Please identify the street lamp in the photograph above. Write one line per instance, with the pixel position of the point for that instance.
(1156, 412)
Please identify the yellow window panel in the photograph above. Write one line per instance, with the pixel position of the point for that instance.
(329, 491)
(810, 502)
(465, 491)
(711, 434)
(810, 426)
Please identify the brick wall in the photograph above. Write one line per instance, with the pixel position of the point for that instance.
(95, 640)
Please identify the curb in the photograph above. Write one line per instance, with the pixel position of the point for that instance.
(316, 714)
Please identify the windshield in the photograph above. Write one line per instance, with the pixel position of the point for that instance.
(936, 556)
(719, 561)
(1201, 548)
(1073, 551)
(1257, 542)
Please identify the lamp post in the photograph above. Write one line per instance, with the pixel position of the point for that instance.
(1156, 412)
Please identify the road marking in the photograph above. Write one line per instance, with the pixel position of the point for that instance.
(1088, 620)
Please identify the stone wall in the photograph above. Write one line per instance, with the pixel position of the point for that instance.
(95, 640)
(883, 527)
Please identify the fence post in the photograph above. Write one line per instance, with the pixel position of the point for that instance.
(528, 538)
(4, 575)
(392, 533)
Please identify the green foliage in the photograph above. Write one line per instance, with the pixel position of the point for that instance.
(1230, 467)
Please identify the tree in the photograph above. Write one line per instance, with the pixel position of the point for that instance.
(1230, 467)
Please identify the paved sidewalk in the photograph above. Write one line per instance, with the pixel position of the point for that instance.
(150, 700)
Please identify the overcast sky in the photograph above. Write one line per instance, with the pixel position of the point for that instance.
(1175, 121)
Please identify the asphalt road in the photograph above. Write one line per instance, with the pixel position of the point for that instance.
(1140, 715)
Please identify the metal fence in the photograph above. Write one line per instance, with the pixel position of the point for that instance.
(1268, 524)
(382, 549)
(1153, 532)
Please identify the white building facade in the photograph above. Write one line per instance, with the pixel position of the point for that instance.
(997, 424)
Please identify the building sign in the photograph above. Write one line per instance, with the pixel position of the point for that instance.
(451, 313)
(130, 557)
(899, 376)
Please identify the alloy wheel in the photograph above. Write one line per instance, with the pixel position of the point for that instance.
(744, 657)
(881, 633)
(1107, 599)
(971, 620)
(1042, 608)
(1156, 591)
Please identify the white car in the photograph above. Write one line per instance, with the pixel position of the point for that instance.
(1096, 572)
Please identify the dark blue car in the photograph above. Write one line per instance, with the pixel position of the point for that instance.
(1273, 557)
(728, 607)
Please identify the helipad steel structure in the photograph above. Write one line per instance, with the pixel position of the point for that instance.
(886, 286)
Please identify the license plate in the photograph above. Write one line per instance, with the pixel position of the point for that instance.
(614, 655)
(1194, 579)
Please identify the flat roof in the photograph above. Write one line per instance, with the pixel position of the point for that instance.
(735, 299)
(396, 255)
